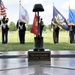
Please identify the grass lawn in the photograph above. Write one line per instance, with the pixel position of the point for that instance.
(14, 45)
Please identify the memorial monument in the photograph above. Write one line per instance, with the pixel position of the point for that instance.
(38, 52)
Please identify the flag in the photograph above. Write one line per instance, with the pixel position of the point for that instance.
(34, 28)
(23, 14)
(59, 19)
(71, 17)
(2, 9)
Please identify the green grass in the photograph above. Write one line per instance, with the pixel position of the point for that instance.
(14, 45)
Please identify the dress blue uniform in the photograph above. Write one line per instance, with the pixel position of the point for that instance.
(72, 34)
(5, 29)
(55, 32)
(41, 27)
(22, 28)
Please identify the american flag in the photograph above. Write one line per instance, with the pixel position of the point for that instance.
(2, 9)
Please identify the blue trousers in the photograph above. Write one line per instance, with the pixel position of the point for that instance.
(72, 36)
(4, 37)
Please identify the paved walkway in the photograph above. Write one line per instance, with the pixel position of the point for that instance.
(21, 66)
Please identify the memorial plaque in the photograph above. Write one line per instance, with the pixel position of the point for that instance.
(39, 55)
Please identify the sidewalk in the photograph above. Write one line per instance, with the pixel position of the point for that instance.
(21, 66)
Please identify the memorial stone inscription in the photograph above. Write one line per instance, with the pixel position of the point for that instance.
(42, 56)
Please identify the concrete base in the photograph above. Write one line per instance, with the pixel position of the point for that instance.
(39, 55)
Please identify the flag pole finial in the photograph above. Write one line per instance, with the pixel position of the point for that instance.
(20, 1)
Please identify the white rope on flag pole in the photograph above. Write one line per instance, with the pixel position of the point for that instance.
(18, 22)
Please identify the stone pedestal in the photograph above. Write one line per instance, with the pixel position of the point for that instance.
(39, 55)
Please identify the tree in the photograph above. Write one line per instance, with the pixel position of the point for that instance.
(29, 27)
(12, 26)
(49, 27)
(44, 29)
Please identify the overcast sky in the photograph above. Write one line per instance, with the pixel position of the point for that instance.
(62, 5)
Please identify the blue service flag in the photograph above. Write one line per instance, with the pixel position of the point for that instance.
(72, 16)
(59, 19)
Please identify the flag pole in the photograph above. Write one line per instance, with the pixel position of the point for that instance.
(19, 1)
(19, 16)
(19, 8)
(53, 3)
(0, 8)
(53, 8)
